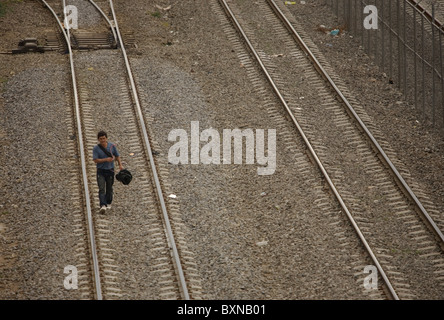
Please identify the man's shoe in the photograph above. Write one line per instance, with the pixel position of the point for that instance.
(108, 207)
(102, 209)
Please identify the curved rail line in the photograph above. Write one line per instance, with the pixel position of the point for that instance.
(152, 162)
(94, 256)
(111, 24)
(350, 110)
(429, 15)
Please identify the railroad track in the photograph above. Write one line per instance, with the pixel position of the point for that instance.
(171, 270)
(399, 228)
(426, 8)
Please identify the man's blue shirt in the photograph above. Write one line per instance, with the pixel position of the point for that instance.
(99, 154)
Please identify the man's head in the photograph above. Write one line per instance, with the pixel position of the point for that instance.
(102, 137)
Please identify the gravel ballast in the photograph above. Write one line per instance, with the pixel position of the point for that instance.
(253, 237)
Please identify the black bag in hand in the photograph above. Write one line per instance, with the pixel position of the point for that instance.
(124, 176)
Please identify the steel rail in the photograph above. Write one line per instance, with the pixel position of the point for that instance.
(385, 159)
(312, 152)
(96, 271)
(422, 10)
(152, 162)
(107, 20)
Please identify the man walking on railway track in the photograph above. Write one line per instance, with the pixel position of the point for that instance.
(104, 155)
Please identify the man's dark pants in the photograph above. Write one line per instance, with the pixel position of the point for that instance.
(105, 180)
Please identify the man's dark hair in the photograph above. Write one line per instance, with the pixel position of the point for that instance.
(101, 134)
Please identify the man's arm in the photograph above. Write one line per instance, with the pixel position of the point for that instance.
(117, 157)
(119, 161)
(110, 159)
